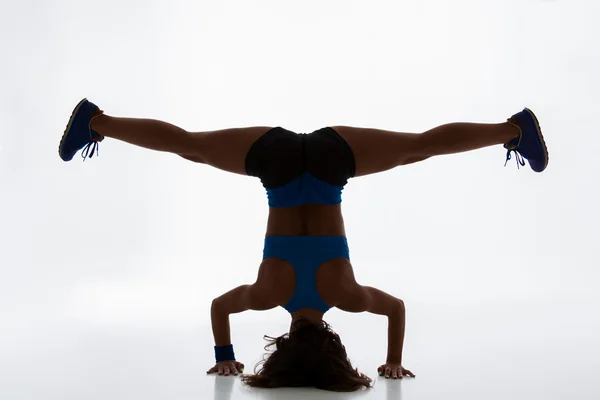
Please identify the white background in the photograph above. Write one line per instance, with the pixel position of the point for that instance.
(108, 267)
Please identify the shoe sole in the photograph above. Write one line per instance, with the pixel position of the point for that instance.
(69, 125)
(540, 136)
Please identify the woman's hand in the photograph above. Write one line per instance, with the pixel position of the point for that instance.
(395, 370)
(226, 367)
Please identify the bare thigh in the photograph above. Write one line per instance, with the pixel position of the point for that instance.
(377, 150)
(225, 149)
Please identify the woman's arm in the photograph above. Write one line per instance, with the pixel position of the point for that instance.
(242, 298)
(396, 326)
(357, 298)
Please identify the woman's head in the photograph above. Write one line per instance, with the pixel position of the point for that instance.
(310, 355)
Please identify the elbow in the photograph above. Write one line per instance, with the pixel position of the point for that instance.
(395, 309)
(400, 306)
(215, 305)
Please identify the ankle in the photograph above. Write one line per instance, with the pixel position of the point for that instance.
(513, 131)
(97, 120)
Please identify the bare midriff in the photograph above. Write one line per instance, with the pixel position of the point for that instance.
(306, 220)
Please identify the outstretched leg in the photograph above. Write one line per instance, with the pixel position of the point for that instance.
(225, 149)
(377, 150)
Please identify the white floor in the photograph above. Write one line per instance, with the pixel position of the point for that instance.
(534, 349)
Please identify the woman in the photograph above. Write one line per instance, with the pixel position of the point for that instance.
(306, 267)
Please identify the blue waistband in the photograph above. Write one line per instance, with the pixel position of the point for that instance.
(306, 189)
(315, 248)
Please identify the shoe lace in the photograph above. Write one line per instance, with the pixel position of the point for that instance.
(514, 147)
(518, 157)
(92, 144)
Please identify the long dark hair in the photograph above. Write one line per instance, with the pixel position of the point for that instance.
(311, 355)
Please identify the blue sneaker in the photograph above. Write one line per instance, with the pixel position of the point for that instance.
(79, 134)
(530, 144)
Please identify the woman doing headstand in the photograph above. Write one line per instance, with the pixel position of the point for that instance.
(306, 266)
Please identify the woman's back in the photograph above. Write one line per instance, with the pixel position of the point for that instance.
(306, 220)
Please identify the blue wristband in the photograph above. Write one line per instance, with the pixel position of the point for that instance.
(224, 353)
